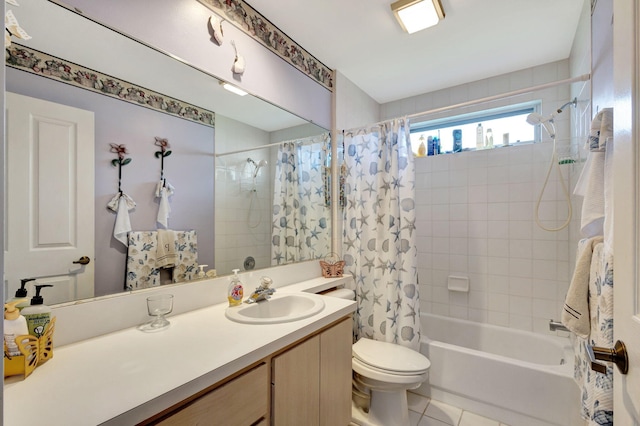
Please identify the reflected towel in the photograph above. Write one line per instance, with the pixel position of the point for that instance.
(575, 313)
(166, 254)
(121, 203)
(163, 191)
(187, 250)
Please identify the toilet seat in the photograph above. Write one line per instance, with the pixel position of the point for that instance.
(388, 358)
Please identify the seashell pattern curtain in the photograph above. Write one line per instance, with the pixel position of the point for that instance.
(379, 238)
(301, 216)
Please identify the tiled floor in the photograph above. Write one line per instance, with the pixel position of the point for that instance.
(427, 412)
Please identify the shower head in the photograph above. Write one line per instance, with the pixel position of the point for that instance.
(534, 119)
(574, 102)
(257, 165)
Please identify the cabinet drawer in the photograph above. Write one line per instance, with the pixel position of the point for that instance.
(242, 401)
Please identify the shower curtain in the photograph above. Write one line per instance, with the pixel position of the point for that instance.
(300, 214)
(379, 232)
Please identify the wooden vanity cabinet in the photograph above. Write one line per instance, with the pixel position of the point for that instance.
(241, 401)
(311, 382)
(308, 383)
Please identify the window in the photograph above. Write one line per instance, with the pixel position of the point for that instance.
(506, 123)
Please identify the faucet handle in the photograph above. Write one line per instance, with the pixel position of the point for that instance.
(265, 282)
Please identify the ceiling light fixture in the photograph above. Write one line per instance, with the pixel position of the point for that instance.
(416, 15)
(233, 89)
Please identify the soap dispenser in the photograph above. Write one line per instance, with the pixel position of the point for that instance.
(14, 325)
(21, 294)
(236, 291)
(37, 314)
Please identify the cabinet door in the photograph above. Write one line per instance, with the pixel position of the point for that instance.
(335, 374)
(242, 401)
(296, 385)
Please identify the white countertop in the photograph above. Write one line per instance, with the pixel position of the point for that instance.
(127, 376)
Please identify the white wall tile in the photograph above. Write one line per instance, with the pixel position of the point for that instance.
(475, 216)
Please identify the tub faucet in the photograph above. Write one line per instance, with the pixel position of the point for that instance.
(557, 325)
(262, 292)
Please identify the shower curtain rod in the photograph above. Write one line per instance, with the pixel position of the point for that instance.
(269, 145)
(583, 77)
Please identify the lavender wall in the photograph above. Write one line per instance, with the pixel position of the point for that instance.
(180, 27)
(190, 169)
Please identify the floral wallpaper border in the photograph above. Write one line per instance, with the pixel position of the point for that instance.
(36, 62)
(260, 28)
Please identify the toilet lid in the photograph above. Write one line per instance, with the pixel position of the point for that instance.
(390, 357)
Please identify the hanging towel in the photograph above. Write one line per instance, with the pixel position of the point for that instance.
(575, 313)
(187, 251)
(597, 388)
(601, 130)
(163, 190)
(166, 254)
(121, 203)
(608, 197)
(595, 176)
(590, 185)
(142, 271)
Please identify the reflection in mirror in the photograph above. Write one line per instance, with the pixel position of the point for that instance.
(240, 123)
(271, 203)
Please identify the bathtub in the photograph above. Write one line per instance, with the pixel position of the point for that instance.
(517, 377)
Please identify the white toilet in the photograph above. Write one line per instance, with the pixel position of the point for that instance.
(386, 371)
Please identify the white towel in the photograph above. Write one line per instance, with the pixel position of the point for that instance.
(590, 185)
(575, 313)
(608, 197)
(121, 203)
(166, 254)
(601, 130)
(164, 209)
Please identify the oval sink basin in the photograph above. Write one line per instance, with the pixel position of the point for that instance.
(280, 308)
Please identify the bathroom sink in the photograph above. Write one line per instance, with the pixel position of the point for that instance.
(280, 308)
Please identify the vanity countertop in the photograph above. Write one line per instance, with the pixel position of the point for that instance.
(127, 376)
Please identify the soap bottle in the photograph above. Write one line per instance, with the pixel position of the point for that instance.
(489, 139)
(14, 325)
(21, 294)
(235, 292)
(479, 136)
(422, 149)
(37, 314)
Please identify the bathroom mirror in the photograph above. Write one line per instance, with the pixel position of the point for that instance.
(241, 124)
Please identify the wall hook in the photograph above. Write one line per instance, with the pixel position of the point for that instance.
(121, 150)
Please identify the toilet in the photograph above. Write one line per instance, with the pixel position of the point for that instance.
(385, 371)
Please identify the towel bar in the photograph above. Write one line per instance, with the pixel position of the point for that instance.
(557, 325)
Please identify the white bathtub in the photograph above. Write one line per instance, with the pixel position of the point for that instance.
(520, 378)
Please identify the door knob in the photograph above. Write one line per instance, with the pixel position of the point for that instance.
(83, 260)
(617, 355)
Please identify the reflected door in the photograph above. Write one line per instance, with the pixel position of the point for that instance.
(50, 198)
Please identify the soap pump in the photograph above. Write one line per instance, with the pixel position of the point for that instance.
(37, 314)
(14, 325)
(21, 294)
(236, 291)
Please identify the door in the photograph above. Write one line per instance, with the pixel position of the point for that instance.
(50, 202)
(627, 207)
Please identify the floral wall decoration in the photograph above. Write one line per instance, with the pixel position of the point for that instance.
(36, 62)
(260, 28)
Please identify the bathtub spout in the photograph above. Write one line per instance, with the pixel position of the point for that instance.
(557, 325)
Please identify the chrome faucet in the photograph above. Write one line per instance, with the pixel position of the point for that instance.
(262, 292)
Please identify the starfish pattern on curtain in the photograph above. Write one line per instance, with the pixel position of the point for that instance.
(379, 238)
(301, 218)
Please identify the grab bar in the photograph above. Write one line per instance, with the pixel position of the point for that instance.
(557, 325)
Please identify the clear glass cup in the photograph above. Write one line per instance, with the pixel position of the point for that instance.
(158, 306)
